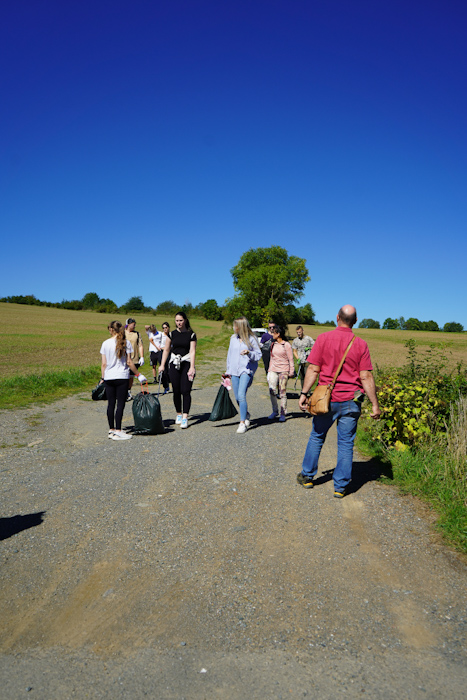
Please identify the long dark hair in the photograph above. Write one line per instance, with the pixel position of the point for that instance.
(185, 317)
(121, 338)
(280, 330)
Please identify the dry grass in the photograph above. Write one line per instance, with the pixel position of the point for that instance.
(387, 347)
(39, 339)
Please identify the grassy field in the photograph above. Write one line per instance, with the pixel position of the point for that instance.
(42, 341)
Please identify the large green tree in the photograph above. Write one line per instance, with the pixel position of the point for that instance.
(266, 280)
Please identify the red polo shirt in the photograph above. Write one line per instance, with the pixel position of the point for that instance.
(327, 352)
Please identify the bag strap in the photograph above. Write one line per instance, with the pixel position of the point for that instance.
(341, 363)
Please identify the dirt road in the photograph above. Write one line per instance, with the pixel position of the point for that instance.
(191, 565)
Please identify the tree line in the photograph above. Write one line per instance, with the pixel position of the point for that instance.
(268, 283)
(412, 324)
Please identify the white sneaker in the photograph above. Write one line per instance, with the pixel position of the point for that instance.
(129, 397)
(111, 433)
(273, 416)
(184, 423)
(178, 420)
(247, 420)
(242, 428)
(121, 435)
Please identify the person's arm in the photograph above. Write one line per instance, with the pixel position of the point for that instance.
(192, 370)
(141, 350)
(295, 353)
(368, 381)
(288, 351)
(103, 366)
(140, 377)
(165, 355)
(310, 378)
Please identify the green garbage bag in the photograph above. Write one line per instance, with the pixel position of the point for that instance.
(147, 415)
(223, 407)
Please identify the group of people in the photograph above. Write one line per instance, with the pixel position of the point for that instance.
(175, 352)
(123, 354)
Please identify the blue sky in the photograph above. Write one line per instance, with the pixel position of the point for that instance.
(146, 145)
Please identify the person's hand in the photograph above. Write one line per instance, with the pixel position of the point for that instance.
(244, 352)
(142, 378)
(302, 403)
(291, 375)
(141, 361)
(375, 412)
(191, 374)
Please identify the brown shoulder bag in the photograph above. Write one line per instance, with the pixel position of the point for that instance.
(319, 401)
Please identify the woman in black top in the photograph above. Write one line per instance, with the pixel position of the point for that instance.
(181, 346)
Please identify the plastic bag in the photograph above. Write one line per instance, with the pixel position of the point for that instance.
(147, 415)
(223, 407)
(99, 393)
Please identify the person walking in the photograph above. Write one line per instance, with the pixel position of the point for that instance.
(242, 362)
(355, 379)
(116, 364)
(137, 350)
(301, 347)
(281, 367)
(265, 345)
(181, 347)
(157, 340)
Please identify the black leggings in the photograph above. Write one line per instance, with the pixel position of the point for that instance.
(181, 387)
(117, 391)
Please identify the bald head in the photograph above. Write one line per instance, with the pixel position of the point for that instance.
(347, 316)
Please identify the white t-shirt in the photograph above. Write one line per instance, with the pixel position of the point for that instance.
(159, 338)
(116, 368)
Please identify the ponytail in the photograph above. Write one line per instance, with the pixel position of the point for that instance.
(120, 338)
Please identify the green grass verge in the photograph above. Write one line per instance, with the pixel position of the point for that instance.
(21, 391)
(431, 475)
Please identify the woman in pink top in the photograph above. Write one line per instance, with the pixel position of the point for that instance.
(281, 367)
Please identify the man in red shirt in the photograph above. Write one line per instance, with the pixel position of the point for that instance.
(355, 379)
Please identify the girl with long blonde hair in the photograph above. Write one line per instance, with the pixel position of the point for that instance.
(242, 363)
(116, 363)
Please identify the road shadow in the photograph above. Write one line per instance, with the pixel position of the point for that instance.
(17, 523)
(362, 473)
(199, 418)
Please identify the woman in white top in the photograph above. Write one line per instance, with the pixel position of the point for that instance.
(157, 340)
(116, 364)
(242, 363)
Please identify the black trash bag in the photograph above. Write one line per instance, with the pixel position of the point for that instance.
(147, 415)
(223, 407)
(99, 393)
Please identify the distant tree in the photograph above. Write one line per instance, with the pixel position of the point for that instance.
(326, 323)
(369, 323)
(90, 300)
(402, 323)
(167, 308)
(453, 327)
(413, 324)
(430, 326)
(211, 310)
(134, 304)
(266, 280)
(391, 324)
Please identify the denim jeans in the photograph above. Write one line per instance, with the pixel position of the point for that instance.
(346, 413)
(240, 386)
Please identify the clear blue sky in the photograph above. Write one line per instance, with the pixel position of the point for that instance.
(146, 145)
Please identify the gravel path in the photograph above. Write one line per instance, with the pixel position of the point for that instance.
(191, 565)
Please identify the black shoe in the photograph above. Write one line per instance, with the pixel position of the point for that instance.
(340, 494)
(305, 481)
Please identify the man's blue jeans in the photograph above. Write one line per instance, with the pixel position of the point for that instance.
(346, 413)
(240, 385)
